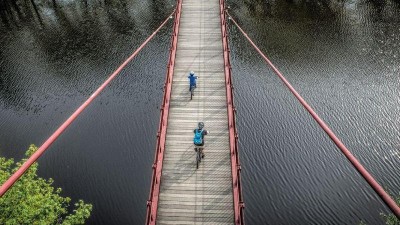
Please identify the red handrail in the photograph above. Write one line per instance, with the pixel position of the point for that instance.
(233, 137)
(359, 167)
(152, 203)
(4, 188)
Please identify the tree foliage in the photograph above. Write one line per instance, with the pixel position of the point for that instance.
(33, 200)
(391, 219)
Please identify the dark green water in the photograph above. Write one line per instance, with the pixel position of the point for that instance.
(342, 56)
(51, 62)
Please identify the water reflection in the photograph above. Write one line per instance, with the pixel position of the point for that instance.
(53, 55)
(319, 9)
(342, 56)
(59, 33)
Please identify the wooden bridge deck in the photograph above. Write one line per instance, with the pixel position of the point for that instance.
(187, 195)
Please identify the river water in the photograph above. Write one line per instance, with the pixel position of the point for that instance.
(342, 57)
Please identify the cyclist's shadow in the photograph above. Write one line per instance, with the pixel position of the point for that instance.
(184, 169)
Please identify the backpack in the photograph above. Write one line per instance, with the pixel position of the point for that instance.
(198, 137)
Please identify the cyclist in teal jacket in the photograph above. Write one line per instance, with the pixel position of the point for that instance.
(199, 136)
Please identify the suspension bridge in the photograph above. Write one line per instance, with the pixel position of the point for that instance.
(212, 194)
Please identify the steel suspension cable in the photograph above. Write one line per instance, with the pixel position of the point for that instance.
(4, 188)
(359, 167)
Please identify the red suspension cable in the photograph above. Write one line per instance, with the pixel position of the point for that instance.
(4, 188)
(367, 176)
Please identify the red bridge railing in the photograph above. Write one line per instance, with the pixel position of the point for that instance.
(233, 136)
(152, 203)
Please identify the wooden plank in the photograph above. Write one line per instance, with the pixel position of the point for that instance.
(186, 222)
(215, 218)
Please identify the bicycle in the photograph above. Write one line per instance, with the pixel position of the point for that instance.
(192, 91)
(199, 154)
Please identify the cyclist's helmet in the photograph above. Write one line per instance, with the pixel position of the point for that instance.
(201, 125)
(191, 73)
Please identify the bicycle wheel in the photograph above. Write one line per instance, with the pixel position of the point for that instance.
(191, 93)
(198, 158)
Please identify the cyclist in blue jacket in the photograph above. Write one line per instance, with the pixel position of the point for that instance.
(192, 80)
(199, 136)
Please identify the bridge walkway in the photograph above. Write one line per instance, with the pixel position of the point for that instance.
(187, 195)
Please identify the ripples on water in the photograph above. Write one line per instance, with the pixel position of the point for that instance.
(51, 60)
(343, 57)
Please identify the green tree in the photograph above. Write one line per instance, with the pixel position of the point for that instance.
(33, 200)
(391, 219)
